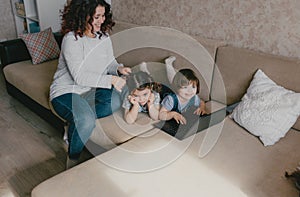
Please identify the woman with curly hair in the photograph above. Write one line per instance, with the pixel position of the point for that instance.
(85, 82)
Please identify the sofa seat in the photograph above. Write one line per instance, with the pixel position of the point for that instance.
(186, 176)
(32, 80)
(156, 164)
(257, 170)
(113, 130)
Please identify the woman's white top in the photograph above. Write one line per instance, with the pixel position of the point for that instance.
(84, 64)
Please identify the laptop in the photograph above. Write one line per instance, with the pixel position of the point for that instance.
(195, 123)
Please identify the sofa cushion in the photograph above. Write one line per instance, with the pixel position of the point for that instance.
(238, 165)
(157, 70)
(258, 170)
(267, 110)
(121, 26)
(31, 79)
(42, 46)
(113, 130)
(211, 45)
(236, 66)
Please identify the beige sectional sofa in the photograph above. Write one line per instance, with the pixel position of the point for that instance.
(223, 160)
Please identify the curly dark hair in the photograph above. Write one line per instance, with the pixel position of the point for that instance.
(74, 16)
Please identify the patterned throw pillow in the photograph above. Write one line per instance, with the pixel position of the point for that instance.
(42, 46)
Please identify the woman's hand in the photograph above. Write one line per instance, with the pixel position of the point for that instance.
(118, 83)
(124, 70)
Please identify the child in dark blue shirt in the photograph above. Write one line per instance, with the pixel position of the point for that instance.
(186, 86)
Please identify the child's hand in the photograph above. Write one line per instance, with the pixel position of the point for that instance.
(124, 70)
(180, 119)
(133, 100)
(200, 111)
(151, 99)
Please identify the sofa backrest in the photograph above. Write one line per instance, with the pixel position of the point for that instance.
(134, 44)
(15, 50)
(237, 66)
(12, 51)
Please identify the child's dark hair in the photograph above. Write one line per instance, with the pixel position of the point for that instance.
(184, 77)
(140, 81)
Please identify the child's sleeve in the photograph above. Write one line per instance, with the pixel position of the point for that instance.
(197, 101)
(126, 103)
(168, 103)
(156, 98)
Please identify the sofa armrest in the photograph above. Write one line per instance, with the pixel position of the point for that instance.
(12, 51)
(58, 37)
(15, 50)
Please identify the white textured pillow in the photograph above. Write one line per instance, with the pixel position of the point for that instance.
(267, 110)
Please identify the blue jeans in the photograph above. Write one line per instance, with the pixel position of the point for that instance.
(81, 111)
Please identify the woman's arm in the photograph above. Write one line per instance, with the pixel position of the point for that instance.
(94, 68)
(85, 69)
(114, 67)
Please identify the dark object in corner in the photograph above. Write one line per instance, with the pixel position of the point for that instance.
(295, 177)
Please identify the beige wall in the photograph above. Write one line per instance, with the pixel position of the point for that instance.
(7, 23)
(270, 26)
